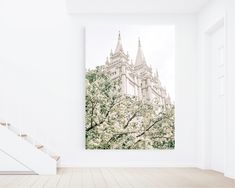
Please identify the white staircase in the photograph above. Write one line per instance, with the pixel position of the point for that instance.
(25, 150)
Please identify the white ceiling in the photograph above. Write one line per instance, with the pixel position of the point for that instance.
(135, 6)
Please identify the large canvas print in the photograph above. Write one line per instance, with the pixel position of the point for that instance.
(130, 94)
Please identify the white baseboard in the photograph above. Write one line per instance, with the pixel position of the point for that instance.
(128, 165)
(227, 174)
(230, 175)
(17, 173)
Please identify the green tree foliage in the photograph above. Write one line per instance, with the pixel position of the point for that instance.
(116, 121)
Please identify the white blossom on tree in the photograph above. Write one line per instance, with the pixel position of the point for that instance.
(117, 121)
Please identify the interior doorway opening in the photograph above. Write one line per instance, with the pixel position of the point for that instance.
(215, 96)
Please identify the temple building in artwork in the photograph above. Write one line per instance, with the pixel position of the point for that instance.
(137, 78)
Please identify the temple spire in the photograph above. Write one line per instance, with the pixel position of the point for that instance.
(119, 44)
(140, 59)
(107, 61)
(111, 52)
(157, 74)
(139, 43)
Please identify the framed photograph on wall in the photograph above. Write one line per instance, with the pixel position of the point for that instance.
(130, 93)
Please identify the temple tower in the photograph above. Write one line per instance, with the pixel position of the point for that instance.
(136, 79)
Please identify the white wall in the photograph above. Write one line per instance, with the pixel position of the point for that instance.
(9, 164)
(135, 6)
(42, 81)
(206, 18)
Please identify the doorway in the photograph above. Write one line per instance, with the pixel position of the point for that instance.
(215, 92)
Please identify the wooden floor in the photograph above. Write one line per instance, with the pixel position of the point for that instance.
(121, 178)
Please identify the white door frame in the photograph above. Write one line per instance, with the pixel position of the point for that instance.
(221, 22)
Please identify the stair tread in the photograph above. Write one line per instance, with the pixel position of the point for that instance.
(22, 135)
(56, 157)
(39, 146)
(5, 124)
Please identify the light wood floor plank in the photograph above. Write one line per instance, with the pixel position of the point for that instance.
(9, 180)
(29, 181)
(99, 180)
(52, 181)
(65, 178)
(76, 179)
(17, 181)
(123, 182)
(88, 179)
(110, 180)
(41, 182)
(141, 177)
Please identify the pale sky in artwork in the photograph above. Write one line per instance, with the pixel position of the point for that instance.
(158, 44)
